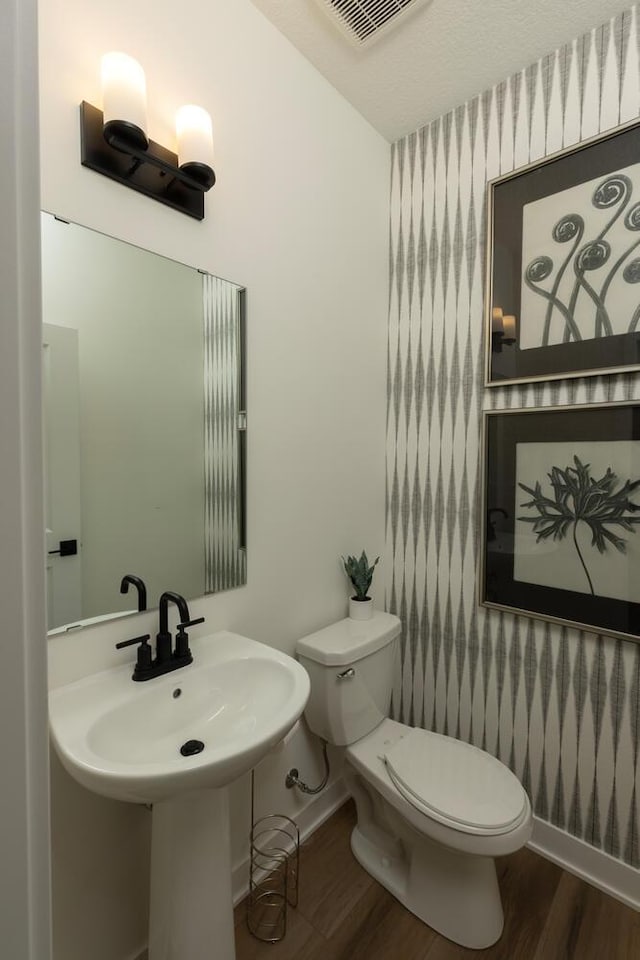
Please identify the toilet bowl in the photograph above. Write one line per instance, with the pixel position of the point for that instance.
(432, 811)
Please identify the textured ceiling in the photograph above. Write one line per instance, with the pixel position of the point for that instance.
(436, 57)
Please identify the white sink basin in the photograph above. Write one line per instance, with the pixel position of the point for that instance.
(122, 739)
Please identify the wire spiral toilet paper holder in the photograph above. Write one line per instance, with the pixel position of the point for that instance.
(274, 872)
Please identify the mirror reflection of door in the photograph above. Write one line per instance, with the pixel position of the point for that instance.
(157, 479)
(62, 472)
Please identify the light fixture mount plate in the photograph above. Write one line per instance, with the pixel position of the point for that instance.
(153, 172)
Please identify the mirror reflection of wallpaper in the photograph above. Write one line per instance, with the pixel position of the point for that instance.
(224, 560)
(581, 268)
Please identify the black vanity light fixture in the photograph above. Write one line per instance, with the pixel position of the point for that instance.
(503, 329)
(114, 141)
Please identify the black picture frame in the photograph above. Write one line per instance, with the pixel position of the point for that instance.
(506, 287)
(553, 577)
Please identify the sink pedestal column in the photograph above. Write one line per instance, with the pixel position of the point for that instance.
(191, 905)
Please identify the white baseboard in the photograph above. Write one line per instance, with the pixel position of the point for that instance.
(595, 866)
(308, 820)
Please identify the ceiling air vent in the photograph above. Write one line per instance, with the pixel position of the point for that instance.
(363, 21)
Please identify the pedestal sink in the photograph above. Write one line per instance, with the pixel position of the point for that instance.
(123, 740)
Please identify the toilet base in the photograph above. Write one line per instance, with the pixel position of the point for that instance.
(455, 895)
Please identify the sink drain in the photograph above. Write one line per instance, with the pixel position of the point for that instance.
(191, 747)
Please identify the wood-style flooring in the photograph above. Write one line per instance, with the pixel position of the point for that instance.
(343, 914)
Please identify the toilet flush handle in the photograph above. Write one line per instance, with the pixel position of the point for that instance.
(346, 674)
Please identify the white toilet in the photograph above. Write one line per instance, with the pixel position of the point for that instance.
(432, 811)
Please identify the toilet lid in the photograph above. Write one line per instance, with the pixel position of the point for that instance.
(453, 781)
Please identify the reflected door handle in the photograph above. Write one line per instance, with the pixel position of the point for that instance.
(66, 548)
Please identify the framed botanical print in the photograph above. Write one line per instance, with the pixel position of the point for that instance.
(561, 502)
(563, 264)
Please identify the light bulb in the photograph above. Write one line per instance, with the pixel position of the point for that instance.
(124, 98)
(509, 327)
(195, 143)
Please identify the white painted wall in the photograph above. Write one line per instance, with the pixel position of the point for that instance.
(24, 826)
(300, 216)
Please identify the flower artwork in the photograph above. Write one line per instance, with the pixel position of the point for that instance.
(602, 506)
(562, 515)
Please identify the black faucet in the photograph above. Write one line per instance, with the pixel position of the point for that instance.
(166, 658)
(163, 638)
(138, 583)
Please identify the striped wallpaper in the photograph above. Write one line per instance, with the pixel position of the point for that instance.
(559, 706)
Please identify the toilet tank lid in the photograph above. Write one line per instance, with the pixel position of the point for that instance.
(349, 640)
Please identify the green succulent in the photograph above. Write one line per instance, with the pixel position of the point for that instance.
(360, 574)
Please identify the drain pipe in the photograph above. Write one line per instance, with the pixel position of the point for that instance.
(293, 780)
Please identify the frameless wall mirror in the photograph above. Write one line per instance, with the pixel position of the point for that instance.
(144, 426)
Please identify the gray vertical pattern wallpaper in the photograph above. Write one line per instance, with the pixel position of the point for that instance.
(225, 562)
(559, 706)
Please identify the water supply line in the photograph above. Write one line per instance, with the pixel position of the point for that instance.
(293, 779)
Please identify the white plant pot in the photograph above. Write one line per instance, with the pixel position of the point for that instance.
(360, 609)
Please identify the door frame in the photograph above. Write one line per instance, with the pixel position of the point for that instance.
(25, 913)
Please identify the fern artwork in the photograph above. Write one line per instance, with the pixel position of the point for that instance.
(563, 263)
(581, 262)
(582, 514)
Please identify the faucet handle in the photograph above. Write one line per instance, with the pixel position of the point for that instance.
(129, 643)
(182, 639)
(190, 623)
(143, 663)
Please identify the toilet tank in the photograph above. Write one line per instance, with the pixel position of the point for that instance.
(349, 664)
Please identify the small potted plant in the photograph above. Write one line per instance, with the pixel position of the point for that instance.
(360, 574)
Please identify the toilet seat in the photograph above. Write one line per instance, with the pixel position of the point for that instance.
(455, 783)
(366, 759)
